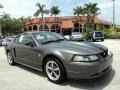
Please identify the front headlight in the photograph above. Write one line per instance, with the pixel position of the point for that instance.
(86, 58)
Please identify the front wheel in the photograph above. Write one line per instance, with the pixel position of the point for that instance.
(10, 58)
(54, 70)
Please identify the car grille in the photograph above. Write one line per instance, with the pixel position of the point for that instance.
(104, 54)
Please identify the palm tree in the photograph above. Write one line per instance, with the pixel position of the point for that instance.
(95, 11)
(41, 10)
(78, 11)
(55, 11)
(6, 16)
(23, 20)
(91, 10)
(83, 19)
(83, 13)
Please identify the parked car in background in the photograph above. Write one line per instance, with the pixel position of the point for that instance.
(5, 40)
(76, 36)
(95, 36)
(59, 58)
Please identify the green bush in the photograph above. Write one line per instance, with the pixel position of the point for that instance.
(111, 34)
(114, 35)
(89, 29)
(108, 33)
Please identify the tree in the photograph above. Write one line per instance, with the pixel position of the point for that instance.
(10, 25)
(54, 11)
(78, 11)
(24, 20)
(5, 16)
(84, 12)
(91, 10)
(41, 10)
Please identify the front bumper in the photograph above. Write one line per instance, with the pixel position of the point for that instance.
(89, 70)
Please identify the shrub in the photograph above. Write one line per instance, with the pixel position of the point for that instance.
(108, 33)
(114, 35)
(89, 29)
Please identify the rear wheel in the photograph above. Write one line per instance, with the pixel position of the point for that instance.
(102, 40)
(10, 58)
(54, 70)
(92, 40)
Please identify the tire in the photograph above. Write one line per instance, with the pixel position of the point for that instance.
(91, 40)
(10, 58)
(54, 70)
(102, 40)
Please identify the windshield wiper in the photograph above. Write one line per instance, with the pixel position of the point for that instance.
(48, 42)
(60, 40)
(52, 41)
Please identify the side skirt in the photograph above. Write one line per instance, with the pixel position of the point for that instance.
(30, 66)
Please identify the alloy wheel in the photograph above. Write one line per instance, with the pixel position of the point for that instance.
(53, 70)
(9, 57)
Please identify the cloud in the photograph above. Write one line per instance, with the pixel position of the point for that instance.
(18, 8)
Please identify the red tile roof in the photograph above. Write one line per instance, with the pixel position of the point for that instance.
(66, 22)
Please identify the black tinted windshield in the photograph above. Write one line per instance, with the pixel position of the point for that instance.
(98, 34)
(44, 37)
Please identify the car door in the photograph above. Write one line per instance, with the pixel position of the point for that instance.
(25, 53)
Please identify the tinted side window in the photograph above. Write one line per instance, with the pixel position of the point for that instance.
(23, 39)
(17, 39)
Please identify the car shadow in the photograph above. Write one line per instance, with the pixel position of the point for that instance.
(94, 84)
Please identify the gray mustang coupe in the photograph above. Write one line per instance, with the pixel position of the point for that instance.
(58, 58)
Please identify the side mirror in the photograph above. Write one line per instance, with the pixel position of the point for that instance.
(30, 43)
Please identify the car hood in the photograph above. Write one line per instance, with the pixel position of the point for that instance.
(83, 48)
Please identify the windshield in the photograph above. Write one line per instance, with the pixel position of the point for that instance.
(98, 34)
(76, 33)
(44, 37)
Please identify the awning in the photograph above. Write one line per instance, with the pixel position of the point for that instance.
(67, 24)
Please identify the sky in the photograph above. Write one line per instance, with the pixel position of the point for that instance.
(19, 8)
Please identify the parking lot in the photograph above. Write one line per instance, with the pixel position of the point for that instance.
(22, 78)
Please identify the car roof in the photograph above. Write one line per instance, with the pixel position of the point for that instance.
(31, 32)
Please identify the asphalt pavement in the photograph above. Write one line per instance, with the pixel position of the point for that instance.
(23, 78)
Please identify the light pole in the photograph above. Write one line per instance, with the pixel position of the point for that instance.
(1, 6)
(113, 15)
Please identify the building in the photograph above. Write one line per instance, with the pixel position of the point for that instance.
(63, 25)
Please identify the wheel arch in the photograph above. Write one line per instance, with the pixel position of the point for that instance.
(55, 56)
(7, 50)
